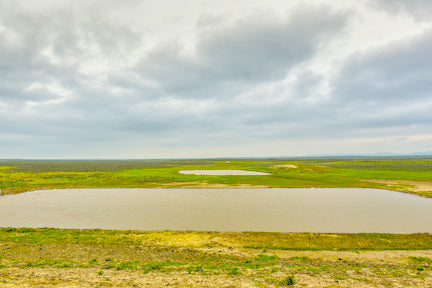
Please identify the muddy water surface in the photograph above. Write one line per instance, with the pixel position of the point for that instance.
(222, 172)
(263, 209)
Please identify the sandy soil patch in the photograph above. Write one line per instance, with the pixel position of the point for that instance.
(414, 186)
(310, 268)
(285, 166)
(81, 277)
(390, 257)
(198, 184)
(364, 276)
(378, 257)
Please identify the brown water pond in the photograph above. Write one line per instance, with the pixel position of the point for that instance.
(258, 209)
(222, 172)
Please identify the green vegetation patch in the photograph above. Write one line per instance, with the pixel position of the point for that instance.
(263, 257)
(421, 260)
(341, 241)
(253, 240)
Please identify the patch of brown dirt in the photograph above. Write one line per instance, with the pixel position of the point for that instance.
(94, 277)
(285, 166)
(89, 277)
(199, 184)
(316, 268)
(413, 186)
(377, 257)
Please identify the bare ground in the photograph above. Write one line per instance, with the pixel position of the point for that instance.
(309, 268)
(414, 186)
(285, 166)
(200, 184)
(57, 277)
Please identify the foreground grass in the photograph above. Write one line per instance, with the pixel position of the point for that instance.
(59, 257)
(407, 175)
(249, 240)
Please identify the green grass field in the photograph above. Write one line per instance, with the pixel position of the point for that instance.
(408, 175)
(250, 240)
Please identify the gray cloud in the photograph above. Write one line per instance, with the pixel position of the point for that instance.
(251, 50)
(77, 80)
(395, 74)
(420, 9)
(388, 86)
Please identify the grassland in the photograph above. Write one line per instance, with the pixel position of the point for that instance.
(82, 258)
(102, 258)
(407, 175)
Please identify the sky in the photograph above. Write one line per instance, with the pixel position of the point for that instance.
(201, 79)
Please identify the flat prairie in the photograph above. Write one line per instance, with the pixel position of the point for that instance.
(47, 257)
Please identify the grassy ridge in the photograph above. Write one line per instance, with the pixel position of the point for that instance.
(404, 174)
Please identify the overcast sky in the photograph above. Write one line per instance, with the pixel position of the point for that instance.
(194, 79)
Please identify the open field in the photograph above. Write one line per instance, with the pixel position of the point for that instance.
(85, 258)
(103, 258)
(406, 174)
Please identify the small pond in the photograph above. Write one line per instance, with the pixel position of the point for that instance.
(258, 209)
(222, 172)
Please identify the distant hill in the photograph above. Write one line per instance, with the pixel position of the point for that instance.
(426, 154)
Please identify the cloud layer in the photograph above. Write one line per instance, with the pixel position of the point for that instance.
(110, 80)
